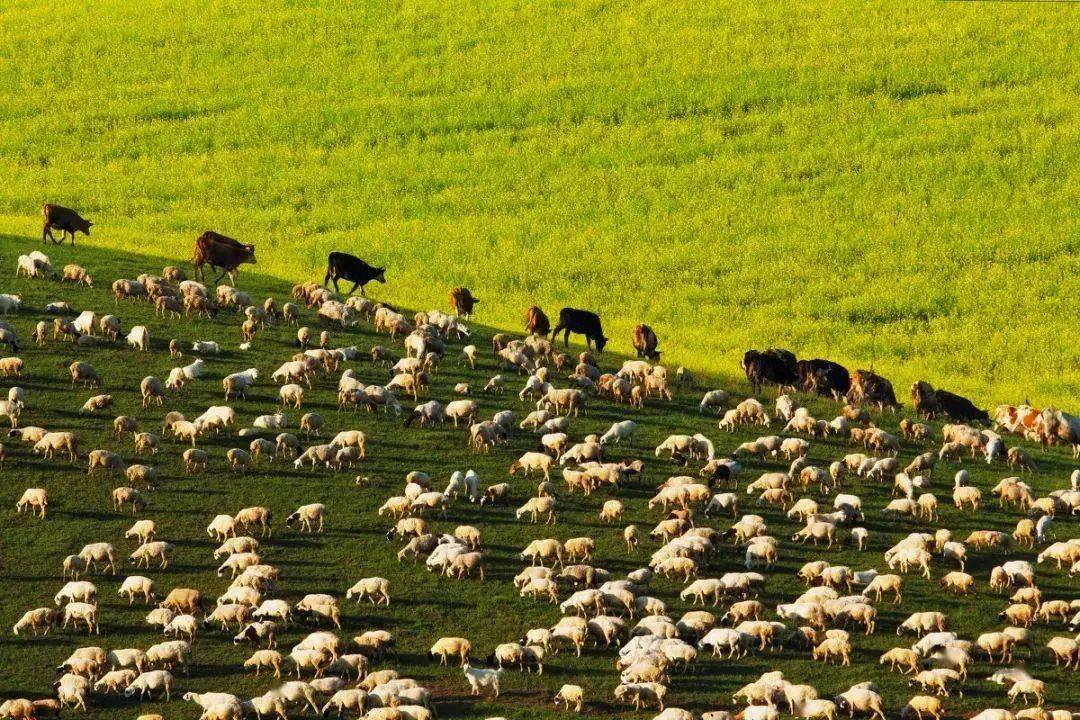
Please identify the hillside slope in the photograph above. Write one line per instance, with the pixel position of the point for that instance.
(891, 184)
(425, 605)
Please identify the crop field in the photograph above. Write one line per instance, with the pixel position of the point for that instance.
(890, 184)
(424, 605)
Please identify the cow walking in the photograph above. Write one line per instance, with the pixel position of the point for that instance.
(580, 322)
(66, 220)
(221, 253)
(343, 266)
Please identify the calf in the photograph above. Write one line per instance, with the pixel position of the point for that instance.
(219, 251)
(645, 342)
(342, 266)
(67, 221)
(580, 322)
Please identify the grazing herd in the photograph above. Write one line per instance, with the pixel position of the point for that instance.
(713, 552)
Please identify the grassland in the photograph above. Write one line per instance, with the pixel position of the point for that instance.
(886, 183)
(424, 607)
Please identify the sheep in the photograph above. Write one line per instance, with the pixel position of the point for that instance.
(571, 696)
(182, 625)
(447, 647)
(885, 583)
(10, 303)
(251, 517)
(833, 647)
(139, 338)
(115, 681)
(959, 582)
(1065, 649)
(100, 552)
(641, 695)
(11, 367)
(35, 500)
(903, 658)
(861, 700)
(319, 605)
(135, 585)
(39, 618)
(185, 600)
(76, 612)
(97, 402)
(238, 383)
(928, 704)
(73, 567)
(537, 506)
(375, 589)
(996, 642)
(77, 274)
(1022, 688)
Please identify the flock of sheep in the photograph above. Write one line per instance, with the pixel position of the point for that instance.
(649, 644)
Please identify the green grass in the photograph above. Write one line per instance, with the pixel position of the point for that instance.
(424, 607)
(886, 183)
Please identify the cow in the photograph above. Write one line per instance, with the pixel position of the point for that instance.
(823, 377)
(868, 387)
(580, 322)
(221, 252)
(924, 399)
(645, 342)
(462, 301)
(343, 266)
(66, 220)
(536, 321)
(775, 366)
(930, 402)
(959, 408)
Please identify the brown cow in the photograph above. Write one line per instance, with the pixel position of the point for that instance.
(868, 387)
(645, 342)
(219, 251)
(536, 321)
(66, 220)
(462, 301)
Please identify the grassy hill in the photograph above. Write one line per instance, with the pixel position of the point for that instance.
(886, 183)
(425, 606)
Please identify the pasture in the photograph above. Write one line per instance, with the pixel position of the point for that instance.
(892, 184)
(424, 605)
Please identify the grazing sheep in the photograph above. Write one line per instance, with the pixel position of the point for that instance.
(306, 516)
(139, 338)
(447, 647)
(34, 500)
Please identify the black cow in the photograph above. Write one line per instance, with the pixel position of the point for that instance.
(960, 408)
(823, 377)
(221, 252)
(775, 366)
(66, 220)
(343, 266)
(580, 322)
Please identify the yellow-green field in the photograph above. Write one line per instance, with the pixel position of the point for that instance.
(886, 183)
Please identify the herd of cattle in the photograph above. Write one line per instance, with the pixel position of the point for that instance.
(622, 615)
